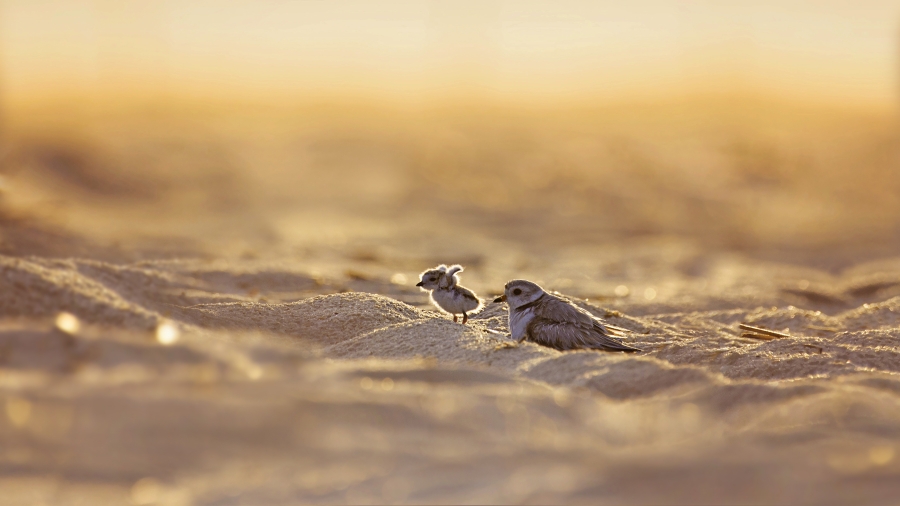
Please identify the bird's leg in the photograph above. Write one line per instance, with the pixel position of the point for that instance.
(454, 318)
(465, 318)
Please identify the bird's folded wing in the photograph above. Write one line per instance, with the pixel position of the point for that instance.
(562, 336)
(558, 310)
(468, 294)
(570, 336)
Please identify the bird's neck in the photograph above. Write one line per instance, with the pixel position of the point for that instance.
(527, 305)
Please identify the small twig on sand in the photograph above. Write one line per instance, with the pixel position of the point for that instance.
(763, 331)
(751, 335)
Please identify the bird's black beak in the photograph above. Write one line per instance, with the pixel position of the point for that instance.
(501, 298)
(419, 283)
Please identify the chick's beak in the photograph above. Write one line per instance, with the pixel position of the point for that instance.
(501, 298)
(419, 283)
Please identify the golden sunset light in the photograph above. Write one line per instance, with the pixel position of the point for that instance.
(278, 252)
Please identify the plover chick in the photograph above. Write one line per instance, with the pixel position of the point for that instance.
(551, 321)
(446, 292)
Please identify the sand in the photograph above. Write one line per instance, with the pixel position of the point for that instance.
(357, 397)
(206, 341)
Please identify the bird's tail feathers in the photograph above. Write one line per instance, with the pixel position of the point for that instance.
(616, 345)
(619, 330)
(612, 336)
(611, 330)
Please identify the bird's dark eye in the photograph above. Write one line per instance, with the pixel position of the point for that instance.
(431, 279)
(517, 292)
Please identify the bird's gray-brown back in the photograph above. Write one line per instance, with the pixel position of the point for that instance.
(559, 324)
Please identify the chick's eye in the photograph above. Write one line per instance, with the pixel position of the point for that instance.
(517, 292)
(431, 279)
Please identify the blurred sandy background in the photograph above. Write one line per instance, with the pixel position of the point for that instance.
(742, 125)
(690, 165)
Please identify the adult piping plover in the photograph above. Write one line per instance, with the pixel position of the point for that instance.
(552, 321)
(446, 292)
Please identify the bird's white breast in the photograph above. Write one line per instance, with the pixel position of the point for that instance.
(518, 322)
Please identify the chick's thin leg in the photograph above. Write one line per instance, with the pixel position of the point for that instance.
(454, 318)
(465, 318)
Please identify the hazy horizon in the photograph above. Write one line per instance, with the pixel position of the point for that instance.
(412, 54)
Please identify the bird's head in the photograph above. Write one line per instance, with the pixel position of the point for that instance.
(431, 279)
(519, 292)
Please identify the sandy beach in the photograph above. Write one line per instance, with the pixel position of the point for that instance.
(199, 312)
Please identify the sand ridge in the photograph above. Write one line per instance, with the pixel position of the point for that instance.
(357, 325)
